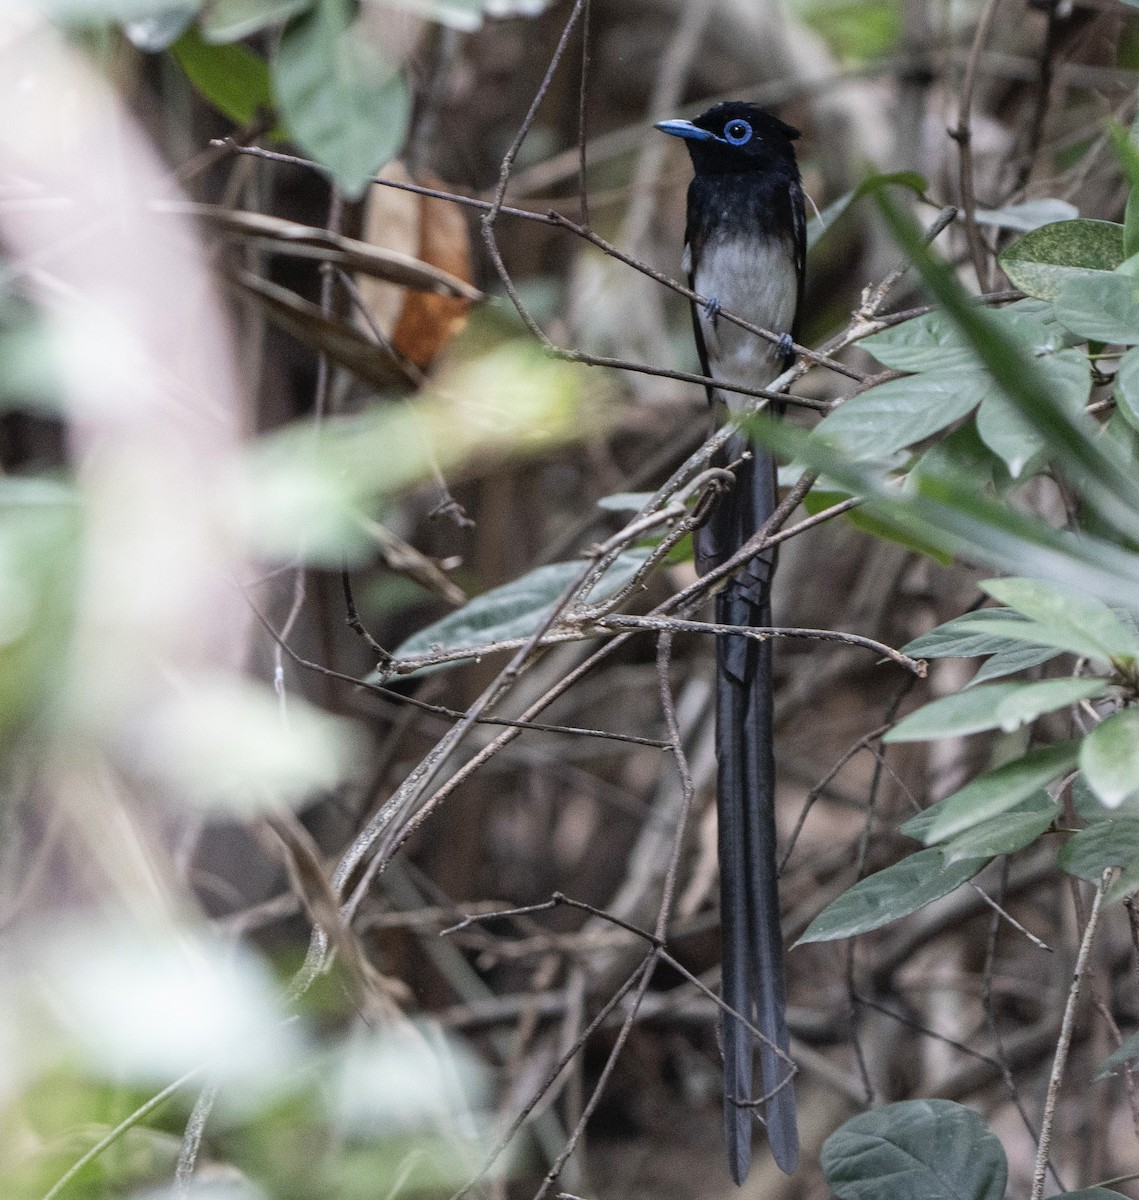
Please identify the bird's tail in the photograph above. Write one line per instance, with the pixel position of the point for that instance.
(751, 933)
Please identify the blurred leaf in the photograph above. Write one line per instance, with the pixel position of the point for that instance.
(402, 1080)
(953, 516)
(1006, 834)
(338, 99)
(1102, 308)
(1109, 758)
(303, 489)
(854, 29)
(1105, 844)
(233, 20)
(96, 12)
(625, 501)
(1107, 487)
(1066, 618)
(959, 638)
(159, 32)
(1042, 261)
(821, 222)
(887, 895)
(1127, 386)
(899, 413)
(992, 794)
(1124, 1053)
(40, 557)
(1032, 214)
(518, 608)
(224, 744)
(915, 1150)
(1008, 662)
(150, 1007)
(232, 78)
(466, 15)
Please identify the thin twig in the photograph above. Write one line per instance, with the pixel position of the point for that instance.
(1065, 1040)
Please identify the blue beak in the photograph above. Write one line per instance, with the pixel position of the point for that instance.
(685, 129)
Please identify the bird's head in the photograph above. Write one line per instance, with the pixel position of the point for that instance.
(735, 137)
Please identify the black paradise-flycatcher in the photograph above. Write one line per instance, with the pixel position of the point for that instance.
(745, 251)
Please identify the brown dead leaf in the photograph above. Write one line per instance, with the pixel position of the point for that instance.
(433, 231)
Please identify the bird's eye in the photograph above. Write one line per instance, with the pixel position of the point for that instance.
(737, 132)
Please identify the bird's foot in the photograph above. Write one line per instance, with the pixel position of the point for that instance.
(712, 307)
(786, 347)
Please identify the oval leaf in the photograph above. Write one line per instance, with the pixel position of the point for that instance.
(893, 415)
(1008, 662)
(338, 99)
(959, 638)
(1127, 387)
(1006, 834)
(890, 894)
(1109, 757)
(915, 1150)
(516, 609)
(1102, 308)
(992, 794)
(1105, 844)
(953, 716)
(1042, 261)
(1032, 700)
(1073, 620)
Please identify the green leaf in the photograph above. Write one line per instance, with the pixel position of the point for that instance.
(1110, 757)
(959, 638)
(516, 609)
(339, 100)
(157, 33)
(1032, 700)
(1013, 438)
(931, 341)
(1126, 884)
(625, 501)
(1127, 387)
(233, 20)
(1101, 308)
(1008, 662)
(934, 341)
(1127, 1050)
(992, 794)
(1006, 834)
(1110, 490)
(893, 415)
(1087, 805)
(954, 716)
(1105, 844)
(1032, 214)
(915, 1150)
(890, 894)
(233, 79)
(96, 12)
(1070, 620)
(1042, 261)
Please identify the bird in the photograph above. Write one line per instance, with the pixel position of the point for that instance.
(745, 253)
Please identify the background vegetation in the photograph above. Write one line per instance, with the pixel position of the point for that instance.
(355, 682)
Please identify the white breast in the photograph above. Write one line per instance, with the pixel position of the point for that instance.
(755, 279)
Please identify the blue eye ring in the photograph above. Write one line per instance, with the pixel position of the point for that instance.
(737, 132)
